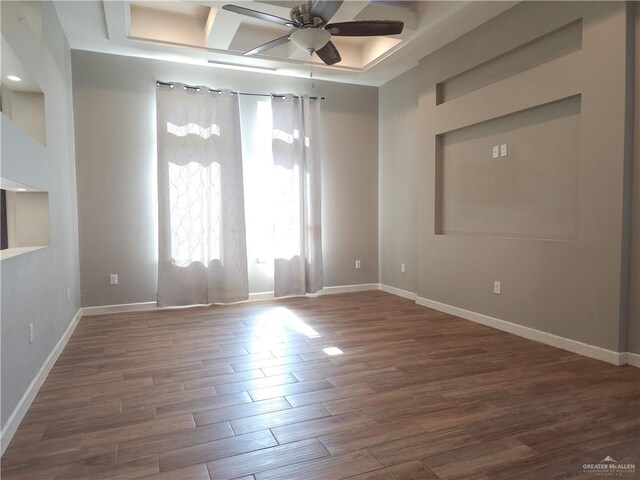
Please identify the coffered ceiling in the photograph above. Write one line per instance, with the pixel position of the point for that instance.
(201, 32)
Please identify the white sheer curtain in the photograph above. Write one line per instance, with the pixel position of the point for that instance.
(296, 184)
(202, 236)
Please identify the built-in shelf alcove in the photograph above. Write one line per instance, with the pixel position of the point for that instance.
(24, 218)
(21, 99)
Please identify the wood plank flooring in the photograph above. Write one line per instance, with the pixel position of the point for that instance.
(252, 392)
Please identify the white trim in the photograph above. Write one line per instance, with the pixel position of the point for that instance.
(633, 359)
(19, 412)
(253, 297)
(616, 358)
(398, 291)
(363, 287)
(122, 308)
(7, 432)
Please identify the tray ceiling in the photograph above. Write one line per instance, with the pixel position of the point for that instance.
(200, 32)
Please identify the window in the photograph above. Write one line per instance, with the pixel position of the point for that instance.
(195, 207)
(258, 177)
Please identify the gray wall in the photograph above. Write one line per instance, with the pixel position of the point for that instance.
(634, 290)
(34, 285)
(399, 155)
(561, 269)
(114, 108)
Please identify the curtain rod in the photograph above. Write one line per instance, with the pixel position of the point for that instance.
(213, 90)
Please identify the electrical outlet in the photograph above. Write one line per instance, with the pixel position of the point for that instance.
(503, 150)
(495, 151)
(402, 269)
(113, 279)
(31, 332)
(497, 287)
(358, 264)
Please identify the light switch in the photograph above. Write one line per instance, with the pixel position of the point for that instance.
(113, 279)
(503, 150)
(496, 151)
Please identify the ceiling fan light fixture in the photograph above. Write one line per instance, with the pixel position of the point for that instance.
(310, 38)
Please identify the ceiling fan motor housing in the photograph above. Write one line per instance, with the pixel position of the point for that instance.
(302, 16)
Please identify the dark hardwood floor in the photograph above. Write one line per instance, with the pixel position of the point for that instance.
(360, 386)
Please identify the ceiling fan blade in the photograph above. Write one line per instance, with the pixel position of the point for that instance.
(269, 45)
(329, 54)
(325, 9)
(365, 28)
(267, 17)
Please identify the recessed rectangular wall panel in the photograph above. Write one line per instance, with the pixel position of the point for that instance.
(556, 44)
(530, 193)
(560, 270)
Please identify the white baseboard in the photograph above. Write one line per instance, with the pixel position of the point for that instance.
(616, 358)
(122, 308)
(19, 412)
(363, 287)
(398, 291)
(633, 359)
(253, 297)
(609, 356)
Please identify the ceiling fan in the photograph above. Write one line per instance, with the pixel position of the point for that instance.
(312, 31)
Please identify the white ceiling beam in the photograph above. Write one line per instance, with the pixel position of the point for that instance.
(118, 17)
(266, 7)
(296, 53)
(220, 28)
(348, 11)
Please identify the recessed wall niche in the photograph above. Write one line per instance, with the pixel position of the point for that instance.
(21, 99)
(24, 218)
(530, 193)
(555, 44)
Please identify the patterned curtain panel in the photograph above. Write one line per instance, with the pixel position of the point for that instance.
(297, 231)
(202, 236)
